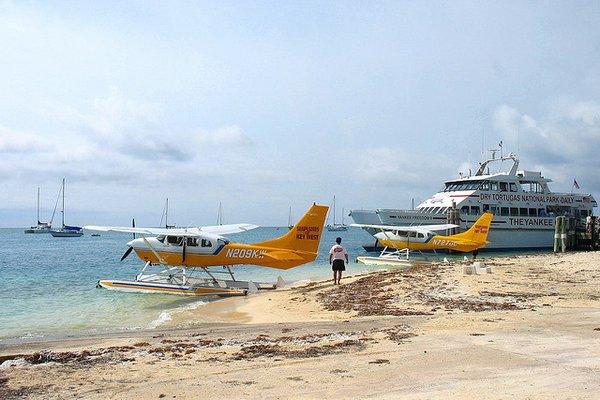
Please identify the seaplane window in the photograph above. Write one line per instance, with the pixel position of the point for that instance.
(192, 241)
(513, 187)
(523, 211)
(514, 211)
(503, 210)
(420, 236)
(206, 243)
(174, 240)
(161, 239)
(494, 186)
(412, 234)
(503, 187)
(533, 212)
(402, 233)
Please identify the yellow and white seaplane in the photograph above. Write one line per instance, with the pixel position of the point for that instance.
(398, 241)
(182, 252)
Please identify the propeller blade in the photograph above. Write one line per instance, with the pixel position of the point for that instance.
(127, 252)
(133, 225)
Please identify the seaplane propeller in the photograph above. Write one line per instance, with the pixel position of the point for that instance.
(127, 252)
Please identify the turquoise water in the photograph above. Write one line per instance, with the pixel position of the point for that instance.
(48, 285)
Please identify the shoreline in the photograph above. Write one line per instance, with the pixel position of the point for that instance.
(528, 329)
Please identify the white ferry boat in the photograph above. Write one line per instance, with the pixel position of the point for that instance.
(523, 205)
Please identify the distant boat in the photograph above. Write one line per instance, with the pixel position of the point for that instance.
(290, 225)
(337, 227)
(66, 230)
(95, 234)
(41, 227)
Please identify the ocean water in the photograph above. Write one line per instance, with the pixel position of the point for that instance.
(48, 285)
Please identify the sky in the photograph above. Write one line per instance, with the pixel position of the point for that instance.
(266, 105)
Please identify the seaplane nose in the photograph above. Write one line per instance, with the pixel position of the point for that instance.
(133, 242)
(380, 235)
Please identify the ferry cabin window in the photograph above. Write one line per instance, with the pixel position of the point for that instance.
(503, 186)
(523, 212)
(513, 187)
(494, 186)
(533, 212)
(474, 210)
(494, 210)
(464, 209)
(503, 210)
(514, 211)
(486, 207)
(542, 212)
(485, 185)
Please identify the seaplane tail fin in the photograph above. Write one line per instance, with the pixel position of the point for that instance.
(479, 231)
(305, 235)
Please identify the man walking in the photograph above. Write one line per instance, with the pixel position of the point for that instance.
(337, 256)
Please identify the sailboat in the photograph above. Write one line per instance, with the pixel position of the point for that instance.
(41, 227)
(66, 230)
(337, 227)
(290, 225)
(165, 216)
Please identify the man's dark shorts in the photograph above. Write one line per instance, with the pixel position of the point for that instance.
(338, 265)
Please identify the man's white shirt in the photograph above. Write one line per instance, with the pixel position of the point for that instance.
(338, 252)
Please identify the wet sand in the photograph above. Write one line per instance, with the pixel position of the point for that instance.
(530, 329)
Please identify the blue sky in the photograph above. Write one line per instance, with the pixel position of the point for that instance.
(263, 105)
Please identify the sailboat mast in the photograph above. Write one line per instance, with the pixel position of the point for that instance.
(167, 214)
(63, 202)
(38, 206)
(334, 210)
(219, 216)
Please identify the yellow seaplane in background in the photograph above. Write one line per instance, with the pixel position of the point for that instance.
(403, 239)
(182, 252)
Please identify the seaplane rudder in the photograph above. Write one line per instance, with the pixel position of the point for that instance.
(305, 236)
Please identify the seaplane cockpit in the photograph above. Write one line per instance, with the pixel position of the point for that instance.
(405, 236)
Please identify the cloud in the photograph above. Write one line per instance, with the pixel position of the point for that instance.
(12, 142)
(564, 141)
(229, 136)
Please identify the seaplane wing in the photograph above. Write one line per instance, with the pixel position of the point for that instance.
(185, 232)
(227, 229)
(414, 228)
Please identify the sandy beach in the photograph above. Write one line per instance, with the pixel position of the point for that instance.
(530, 329)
